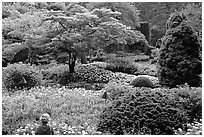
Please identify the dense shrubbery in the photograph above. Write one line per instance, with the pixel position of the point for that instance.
(58, 74)
(141, 58)
(10, 50)
(190, 99)
(180, 60)
(18, 76)
(142, 82)
(85, 85)
(56, 6)
(147, 69)
(157, 111)
(121, 65)
(90, 73)
(116, 90)
(99, 64)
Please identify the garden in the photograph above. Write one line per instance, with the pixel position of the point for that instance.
(100, 69)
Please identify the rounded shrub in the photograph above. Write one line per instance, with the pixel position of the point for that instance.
(142, 82)
(99, 64)
(58, 74)
(179, 60)
(121, 65)
(19, 76)
(142, 109)
(90, 73)
(116, 90)
(56, 6)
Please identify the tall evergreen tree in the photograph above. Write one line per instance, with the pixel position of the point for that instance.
(179, 60)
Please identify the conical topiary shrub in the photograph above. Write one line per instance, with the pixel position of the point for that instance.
(180, 59)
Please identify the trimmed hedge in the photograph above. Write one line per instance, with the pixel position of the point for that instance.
(90, 73)
(19, 76)
(157, 111)
(116, 90)
(142, 82)
(121, 65)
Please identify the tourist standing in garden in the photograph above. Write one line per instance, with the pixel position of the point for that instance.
(44, 128)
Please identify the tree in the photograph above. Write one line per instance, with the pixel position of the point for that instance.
(24, 29)
(94, 29)
(157, 13)
(129, 16)
(179, 59)
(194, 13)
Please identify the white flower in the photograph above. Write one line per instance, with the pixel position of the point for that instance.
(18, 130)
(57, 132)
(179, 129)
(84, 132)
(33, 132)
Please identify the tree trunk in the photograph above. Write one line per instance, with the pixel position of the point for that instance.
(72, 61)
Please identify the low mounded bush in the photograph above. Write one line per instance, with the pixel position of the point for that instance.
(157, 111)
(142, 82)
(190, 99)
(150, 70)
(85, 85)
(116, 90)
(121, 65)
(56, 6)
(90, 73)
(142, 58)
(99, 64)
(19, 76)
(59, 74)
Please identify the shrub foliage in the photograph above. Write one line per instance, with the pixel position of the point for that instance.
(142, 82)
(157, 111)
(90, 73)
(19, 76)
(180, 60)
(121, 65)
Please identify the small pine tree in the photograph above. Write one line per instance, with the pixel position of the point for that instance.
(180, 60)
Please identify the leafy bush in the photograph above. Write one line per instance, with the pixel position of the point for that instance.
(147, 69)
(159, 111)
(99, 64)
(141, 58)
(142, 82)
(116, 90)
(120, 54)
(190, 99)
(121, 65)
(56, 6)
(85, 85)
(59, 74)
(90, 73)
(10, 50)
(179, 61)
(154, 60)
(19, 76)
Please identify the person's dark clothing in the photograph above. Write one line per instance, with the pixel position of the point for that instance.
(44, 130)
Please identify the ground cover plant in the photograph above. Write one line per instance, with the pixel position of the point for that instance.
(71, 106)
